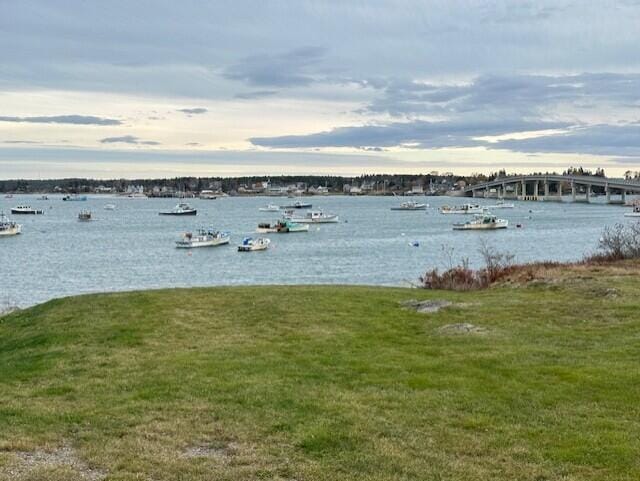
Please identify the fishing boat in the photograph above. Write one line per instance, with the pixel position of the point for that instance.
(501, 205)
(8, 227)
(208, 195)
(203, 238)
(84, 215)
(249, 244)
(109, 207)
(482, 222)
(410, 205)
(25, 209)
(283, 226)
(297, 205)
(269, 208)
(181, 209)
(75, 197)
(462, 209)
(313, 217)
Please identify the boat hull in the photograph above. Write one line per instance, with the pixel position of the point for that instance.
(409, 208)
(204, 243)
(11, 231)
(496, 226)
(27, 212)
(188, 212)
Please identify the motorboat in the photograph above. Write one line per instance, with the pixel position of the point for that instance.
(8, 227)
(269, 208)
(25, 209)
(283, 226)
(249, 244)
(635, 212)
(208, 195)
(181, 209)
(501, 205)
(109, 207)
(313, 217)
(297, 205)
(75, 197)
(203, 238)
(482, 222)
(410, 205)
(462, 209)
(84, 215)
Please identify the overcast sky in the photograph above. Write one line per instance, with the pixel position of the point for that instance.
(166, 88)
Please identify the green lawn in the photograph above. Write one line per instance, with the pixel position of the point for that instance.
(327, 383)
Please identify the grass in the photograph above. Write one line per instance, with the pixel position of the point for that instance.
(326, 383)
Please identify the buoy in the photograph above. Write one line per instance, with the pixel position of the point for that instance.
(518, 226)
(414, 244)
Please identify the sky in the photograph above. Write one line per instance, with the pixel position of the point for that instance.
(223, 88)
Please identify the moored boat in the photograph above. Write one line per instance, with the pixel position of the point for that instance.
(8, 227)
(410, 205)
(297, 205)
(84, 215)
(313, 217)
(269, 208)
(26, 209)
(635, 212)
(283, 226)
(462, 209)
(181, 209)
(203, 238)
(109, 207)
(500, 205)
(249, 244)
(75, 197)
(482, 222)
(208, 195)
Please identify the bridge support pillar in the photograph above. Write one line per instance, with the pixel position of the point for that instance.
(524, 190)
(559, 189)
(588, 193)
(624, 197)
(573, 191)
(535, 190)
(546, 189)
(607, 191)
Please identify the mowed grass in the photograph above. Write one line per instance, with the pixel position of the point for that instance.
(326, 383)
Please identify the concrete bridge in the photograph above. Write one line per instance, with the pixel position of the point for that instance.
(550, 187)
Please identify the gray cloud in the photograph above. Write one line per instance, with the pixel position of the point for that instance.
(63, 119)
(128, 139)
(622, 140)
(21, 142)
(289, 69)
(195, 110)
(417, 133)
(256, 94)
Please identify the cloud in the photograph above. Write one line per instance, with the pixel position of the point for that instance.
(289, 69)
(195, 110)
(610, 140)
(418, 134)
(128, 139)
(63, 119)
(21, 142)
(256, 94)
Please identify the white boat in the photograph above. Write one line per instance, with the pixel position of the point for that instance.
(249, 244)
(269, 208)
(500, 205)
(283, 226)
(203, 238)
(313, 217)
(8, 227)
(109, 207)
(462, 209)
(84, 215)
(181, 209)
(208, 195)
(635, 212)
(297, 205)
(25, 209)
(482, 222)
(410, 205)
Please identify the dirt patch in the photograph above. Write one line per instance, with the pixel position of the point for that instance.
(221, 452)
(461, 328)
(428, 306)
(65, 457)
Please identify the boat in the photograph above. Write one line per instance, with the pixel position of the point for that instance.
(43, 197)
(249, 244)
(203, 238)
(462, 209)
(635, 212)
(410, 205)
(181, 209)
(297, 205)
(208, 195)
(25, 209)
(75, 197)
(8, 196)
(109, 207)
(269, 208)
(8, 227)
(313, 217)
(500, 205)
(482, 222)
(84, 215)
(283, 226)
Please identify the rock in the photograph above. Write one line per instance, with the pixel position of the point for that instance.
(428, 306)
(461, 328)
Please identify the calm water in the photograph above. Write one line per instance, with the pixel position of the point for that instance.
(132, 247)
